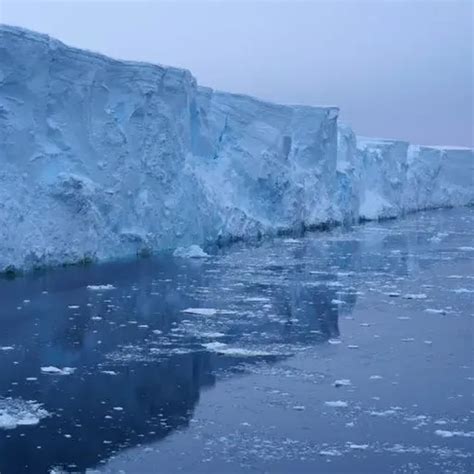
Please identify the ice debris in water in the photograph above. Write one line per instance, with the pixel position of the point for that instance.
(241, 352)
(336, 404)
(193, 251)
(342, 383)
(415, 296)
(18, 412)
(109, 372)
(382, 413)
(101, 287)
(223, 349)
(451, 434)
(330, 452)
(51, 370)
(212, 346)
(435, 311)
(200, 311)
(357, 446)
(212, 334)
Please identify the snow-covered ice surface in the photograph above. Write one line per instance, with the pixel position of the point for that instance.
(102, 159)
(267, 378)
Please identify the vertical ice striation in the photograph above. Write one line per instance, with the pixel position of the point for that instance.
(104, 159)
(266, 167)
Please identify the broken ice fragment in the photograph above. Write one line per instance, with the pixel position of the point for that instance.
(51, 370)
(336, 404)
(200, 311)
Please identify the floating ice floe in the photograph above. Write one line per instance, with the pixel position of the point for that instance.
(51, 370)
(221, 348)
(101, 287)
(415, 296)
(451, 434)
(330, 452)
(241, 352)
(6, 348)
(435, 311)
(342, 383)
(382, 413)
(18, 412)
(214, 346)
(212, 334)
(200, 311)
(193, 251)
(336, 404)
(357, 446)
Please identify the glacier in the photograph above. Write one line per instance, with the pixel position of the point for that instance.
(104, 159)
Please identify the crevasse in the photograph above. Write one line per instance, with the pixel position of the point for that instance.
(103, 159)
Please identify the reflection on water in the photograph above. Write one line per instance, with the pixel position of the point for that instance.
(141, 361)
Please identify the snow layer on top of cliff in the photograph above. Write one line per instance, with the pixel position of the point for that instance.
(102, 159)
(86, 55)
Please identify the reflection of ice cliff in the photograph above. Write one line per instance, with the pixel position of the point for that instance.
(102, 159)
(140, 361)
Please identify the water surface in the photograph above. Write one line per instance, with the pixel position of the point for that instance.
(347, 351)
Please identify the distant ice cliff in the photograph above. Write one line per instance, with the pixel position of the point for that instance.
(102, 159)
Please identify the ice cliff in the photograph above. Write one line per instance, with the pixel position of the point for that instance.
(104, 159)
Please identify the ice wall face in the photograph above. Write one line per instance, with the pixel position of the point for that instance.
(394, 177)
(267, 167)
(104, 159)
(92, 152)
(439, 177)
(382, 166)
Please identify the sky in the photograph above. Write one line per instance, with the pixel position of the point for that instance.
(396, 68)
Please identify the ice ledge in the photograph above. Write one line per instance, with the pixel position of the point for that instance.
(53, 44)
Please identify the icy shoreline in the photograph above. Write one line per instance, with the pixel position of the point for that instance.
(104, 159)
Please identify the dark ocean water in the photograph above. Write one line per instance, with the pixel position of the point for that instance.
(346, 351)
